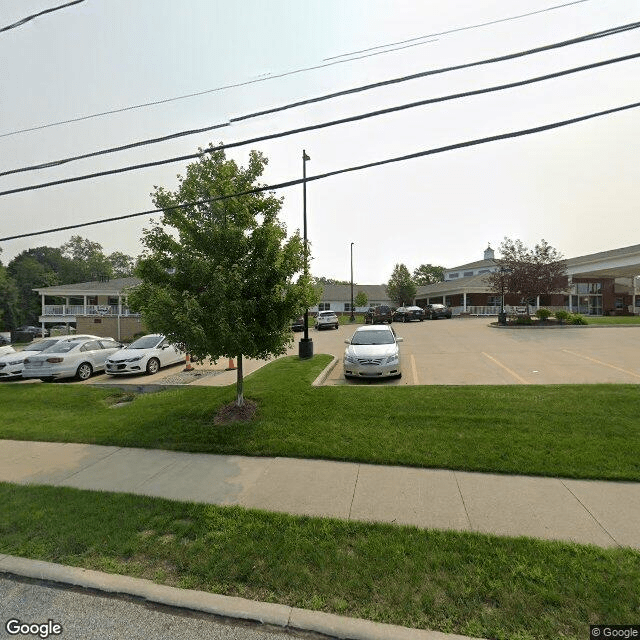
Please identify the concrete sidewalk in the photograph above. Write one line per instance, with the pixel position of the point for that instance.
(588, 512)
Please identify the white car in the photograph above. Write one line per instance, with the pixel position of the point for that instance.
(147, 354)
(326, 319)
(6, 349)
(70, 358)
(11, 364)
(373, 353)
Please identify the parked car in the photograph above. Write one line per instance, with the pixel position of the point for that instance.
(377, 315)
(434, 311)
(4, 341)
(5, 349)
(69, 358)
(298, 324)
(326, 320)
(34, 331)
(373, 352)
(12, 364)
(62, 330)
(148, 354)
(407, 314)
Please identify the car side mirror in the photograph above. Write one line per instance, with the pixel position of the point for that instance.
(399, 339)
(347, 341)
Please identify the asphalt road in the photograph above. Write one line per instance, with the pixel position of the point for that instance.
(86, 616)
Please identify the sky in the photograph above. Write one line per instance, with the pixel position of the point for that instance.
(577, 187)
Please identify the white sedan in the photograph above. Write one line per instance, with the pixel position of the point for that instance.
(70, 358)
(147, 354)
(12, 363)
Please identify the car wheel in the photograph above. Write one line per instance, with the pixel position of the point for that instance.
(84, 371)
(336, 326)
(153, 366)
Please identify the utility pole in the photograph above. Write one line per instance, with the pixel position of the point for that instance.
(305, 347)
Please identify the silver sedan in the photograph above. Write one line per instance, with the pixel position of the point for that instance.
(373, 352)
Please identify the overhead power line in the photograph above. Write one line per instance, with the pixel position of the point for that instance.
(263, 78)
(54, 163)
(369, 165)
(37, 15)
(458, 29)
(322, 125)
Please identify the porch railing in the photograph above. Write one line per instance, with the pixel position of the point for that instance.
(89, 310)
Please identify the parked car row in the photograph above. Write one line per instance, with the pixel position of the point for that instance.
(82, 355)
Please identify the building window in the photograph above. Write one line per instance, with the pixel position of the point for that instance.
(484, 271)
(92, 299)
(324, 306)
(347, 306)
(112, 300)
(619, 303)
(494, 301)
(468, 273)
(453, 275)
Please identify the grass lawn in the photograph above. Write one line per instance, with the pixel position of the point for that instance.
(613, 320)
(477, 585)
(577, 431)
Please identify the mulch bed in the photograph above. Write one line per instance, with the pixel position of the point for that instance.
(233, 413)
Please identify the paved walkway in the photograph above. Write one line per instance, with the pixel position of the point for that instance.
(589, 512)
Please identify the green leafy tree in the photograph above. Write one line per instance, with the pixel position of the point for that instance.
(8, 299)
(527, 272)
(401, 288)
(361, 299)
(220, 278)
(88, 258)
(122, 265)
(320, 280)
(428, 274)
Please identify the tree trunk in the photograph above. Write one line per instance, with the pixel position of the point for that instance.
(239, 384)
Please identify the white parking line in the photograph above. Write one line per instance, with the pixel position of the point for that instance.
(513, 373)
(414, 370)
(604, 364)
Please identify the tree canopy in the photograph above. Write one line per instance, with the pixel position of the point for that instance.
(427, 274)
(528, 272)
(401, 288)
(220, 278)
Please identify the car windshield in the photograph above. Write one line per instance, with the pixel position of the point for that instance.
(146, 342)
(41, 346)
(63, 347)
(373, 337)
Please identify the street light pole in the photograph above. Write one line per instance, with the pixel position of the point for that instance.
(352, 316)
(502, 318)
(305, 347)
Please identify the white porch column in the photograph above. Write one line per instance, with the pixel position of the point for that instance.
(85, 303)
(42, 298)
(66, 305)
(537, 302)
(464, 301)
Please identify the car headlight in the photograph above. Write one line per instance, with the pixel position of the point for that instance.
(392, 359)
(14, 362)
(351, 359)
(134, 359)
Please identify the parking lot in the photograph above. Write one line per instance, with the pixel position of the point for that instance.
(460, 351)
(465, 351)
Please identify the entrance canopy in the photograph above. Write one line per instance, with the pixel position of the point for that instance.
(617, 263)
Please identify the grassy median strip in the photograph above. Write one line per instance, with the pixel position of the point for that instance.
(477, 585)
(577, 431)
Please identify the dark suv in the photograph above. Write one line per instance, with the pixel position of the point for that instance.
(378, 315)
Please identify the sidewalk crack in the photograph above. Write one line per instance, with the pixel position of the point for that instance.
(464, 504)
(584, 506)
(355, 486)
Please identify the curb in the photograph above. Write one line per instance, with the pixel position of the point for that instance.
(324, 374)
(278, 615)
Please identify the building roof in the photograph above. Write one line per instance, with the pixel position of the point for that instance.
(342, 292)
(95, 287)
(477, 283)
(478, 264)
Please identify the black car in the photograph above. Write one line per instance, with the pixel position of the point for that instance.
(34, 331)
(378, 315)
(433, 311)
(298, 324)
(407, 314)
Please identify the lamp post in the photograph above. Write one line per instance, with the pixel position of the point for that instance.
(352, 319)
(305, 347)
(502, 316)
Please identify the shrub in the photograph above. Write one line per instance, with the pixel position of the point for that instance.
(543, 314)
(576, 318)
(562, 315)
(523, 320)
